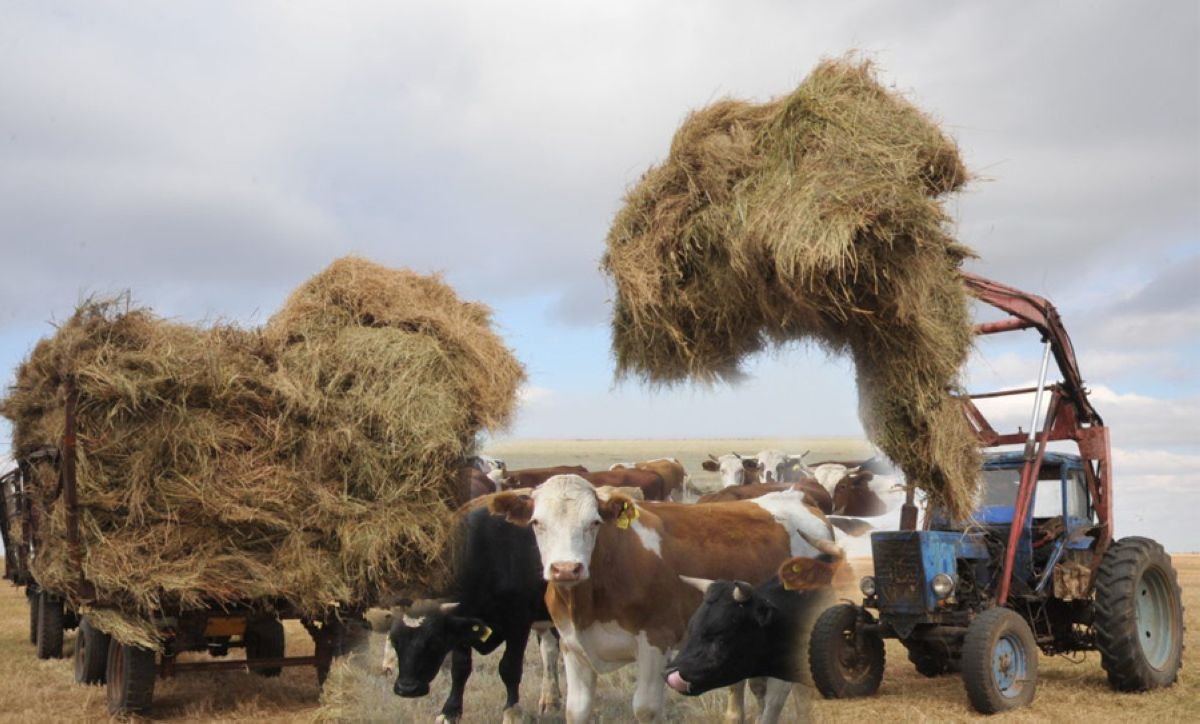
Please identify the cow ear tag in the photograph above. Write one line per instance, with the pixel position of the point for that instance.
(787, 582)
(629, 513)
(484, 632)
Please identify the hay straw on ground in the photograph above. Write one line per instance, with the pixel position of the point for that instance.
(309, 463)
(812, 217)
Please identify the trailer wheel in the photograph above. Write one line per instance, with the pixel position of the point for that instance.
(32, 597)
(999, 661)
(49, 626)
(846, 661)
(130, 675)
(1139, 616)
(264, 640)
(91, 653)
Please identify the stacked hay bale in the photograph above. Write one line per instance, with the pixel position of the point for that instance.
(309, 463)
(812, 217)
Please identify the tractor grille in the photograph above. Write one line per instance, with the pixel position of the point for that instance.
(899, 574)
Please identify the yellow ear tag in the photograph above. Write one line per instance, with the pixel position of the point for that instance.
(484, 632)
(796, 568)
(629, 513)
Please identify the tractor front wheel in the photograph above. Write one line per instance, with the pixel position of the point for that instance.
(1139, 616)
(846, 661)
(999, 661)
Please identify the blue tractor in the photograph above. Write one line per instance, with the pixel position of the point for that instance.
(1035, 568)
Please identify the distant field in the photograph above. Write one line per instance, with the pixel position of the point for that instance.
(32, 690)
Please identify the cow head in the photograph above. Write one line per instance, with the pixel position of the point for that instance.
(734, 469)
(566, 515)
(421, 639)
(734, 636)
(855, 496)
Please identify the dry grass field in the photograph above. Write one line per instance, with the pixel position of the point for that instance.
(37, 691)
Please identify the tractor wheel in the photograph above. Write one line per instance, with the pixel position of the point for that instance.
(846, 662)
(49, 637)
(999, 661)
(929, 662)
(264, 640)
(129, 675)
(1139, 616)
(91, 653)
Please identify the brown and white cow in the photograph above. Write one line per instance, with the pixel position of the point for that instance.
(649, 482)
(817, 493)
(533, 477)
(614, 566)
(674, 475)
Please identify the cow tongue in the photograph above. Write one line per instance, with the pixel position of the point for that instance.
(677, 682)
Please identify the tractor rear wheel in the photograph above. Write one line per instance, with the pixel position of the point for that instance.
(49, 637)
(999, 661)
(91, 653)
(846, 661)
(1139, 616)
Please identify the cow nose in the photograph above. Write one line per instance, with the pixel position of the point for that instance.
(410, 689)
(566, 571)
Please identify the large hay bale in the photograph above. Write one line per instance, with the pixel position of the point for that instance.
(812, 217)
(310, 462)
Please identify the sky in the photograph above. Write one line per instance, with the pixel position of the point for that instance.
(210, 156)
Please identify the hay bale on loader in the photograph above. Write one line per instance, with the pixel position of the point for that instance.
(812, 217)
(307, 464)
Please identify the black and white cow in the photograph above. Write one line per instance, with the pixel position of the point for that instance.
(498, 597)
(742, 631)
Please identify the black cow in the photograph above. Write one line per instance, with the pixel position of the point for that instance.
(497, 597)
(742, 631)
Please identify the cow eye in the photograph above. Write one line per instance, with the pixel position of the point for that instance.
(536, 523)
(595, 524)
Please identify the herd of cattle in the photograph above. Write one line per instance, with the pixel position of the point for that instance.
(614, 567)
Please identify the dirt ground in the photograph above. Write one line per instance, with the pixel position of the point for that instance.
(32, 690)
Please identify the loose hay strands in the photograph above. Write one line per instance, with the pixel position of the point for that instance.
(812, 217)
(310, 463)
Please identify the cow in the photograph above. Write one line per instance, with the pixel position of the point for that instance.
(650, 483)
(742, 631)
(613, 569)
(819, 496)
(864, 494)
(734, 469)
(470, 483)
(533, 477)
(498, 596)
(674, 475)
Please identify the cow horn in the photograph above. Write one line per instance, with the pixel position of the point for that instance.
(448, 607)
(739, 595)
(713, 457)
(700, 584)
(827, 547)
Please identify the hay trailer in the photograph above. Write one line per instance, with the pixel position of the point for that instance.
(1036, 567)
(128, 671)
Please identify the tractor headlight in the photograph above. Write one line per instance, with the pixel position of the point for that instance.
(867, 586)
(942, 585)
